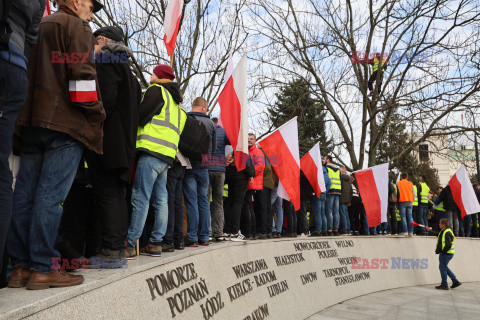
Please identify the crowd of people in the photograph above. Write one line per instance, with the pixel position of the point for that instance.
(102, 170)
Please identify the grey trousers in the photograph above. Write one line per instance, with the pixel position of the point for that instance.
(217, 181)
(452, 217)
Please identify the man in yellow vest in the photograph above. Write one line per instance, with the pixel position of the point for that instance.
(422, 194)
(377, 63)
(161, 123)
(333, 197)
(445, 248)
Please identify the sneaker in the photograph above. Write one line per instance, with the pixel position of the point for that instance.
(220, 239)
(227, 237)
(316, 234)
(167, 247)
(130, 253)
(269, 235)
(204, 243)
(179, 245)
(191, 244)
(262, 236)
(254, 237)
(329, 233)
(456, 284)
(237, 237)
(151, 250)
(410, 234)
(440, 287)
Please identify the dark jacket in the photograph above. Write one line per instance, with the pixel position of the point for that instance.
(232, 174)
(211, 131)
(121, 95)
(217, 161)
(152, 104)
(24, 19)
(448, 242)
(306, 189)
(447, 198)
(57, 73)
(347, 190)
(392, 194)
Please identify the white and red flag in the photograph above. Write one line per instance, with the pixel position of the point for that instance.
(233, 101)
(47, 9)
(311, 165)
(281, 147)
(373, 188)
(173, 15)
(462, 192)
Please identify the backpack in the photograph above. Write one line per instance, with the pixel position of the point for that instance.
(194, 140)
(5, 29)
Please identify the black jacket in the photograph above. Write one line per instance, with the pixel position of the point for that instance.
(121, 96)
(447, 198)
(212, 133)
(347, 190)
(448, 242)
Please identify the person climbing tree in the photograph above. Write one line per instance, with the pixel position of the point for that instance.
(377, 62)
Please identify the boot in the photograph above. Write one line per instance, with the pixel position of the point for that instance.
(58, 278)
(19, 278)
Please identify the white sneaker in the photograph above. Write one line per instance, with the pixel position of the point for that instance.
(237, 237)
(227, 236)
(410, 234)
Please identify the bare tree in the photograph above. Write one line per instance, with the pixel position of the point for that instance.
(209, 30)
(433, 69)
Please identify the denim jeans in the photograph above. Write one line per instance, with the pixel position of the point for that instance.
(422, 217)
(16, 89)
(195, 189)
(445, 271)
(406, 214)
(49, 162)
(333, 214)
(149, 187)
(277, 206)
(344, 219)
(318, 208)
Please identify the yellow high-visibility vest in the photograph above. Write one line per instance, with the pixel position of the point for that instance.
(376, 63)
(451, 251)
(439, 207)
(335, 179)
(162, 134)
(415, 196)
(424, 193)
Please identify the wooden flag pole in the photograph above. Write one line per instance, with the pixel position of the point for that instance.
(211, 110)
(171, 60)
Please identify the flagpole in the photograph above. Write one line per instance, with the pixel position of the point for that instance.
(171, 60)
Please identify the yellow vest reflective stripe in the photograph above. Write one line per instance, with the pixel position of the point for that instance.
(335, 179)
(399, 217)
(439, 207)
(415, 197)
(162, 134)
(451, 251)
(225, 190)
(376, 63)
(424, 193)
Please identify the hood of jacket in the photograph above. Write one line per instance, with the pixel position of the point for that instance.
(174, 90)
(118, 47)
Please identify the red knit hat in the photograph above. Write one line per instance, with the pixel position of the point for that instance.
(163, 71)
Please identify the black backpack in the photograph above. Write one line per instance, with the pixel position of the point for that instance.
(194, 140)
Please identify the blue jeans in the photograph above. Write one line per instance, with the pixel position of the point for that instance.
(383, 227)
(422, 217)
(333, 215)
(318, 207)
(277, 202)
(195, 189)
(16, 85)
(406, 214)
(345, 219)
(150, 186)
(49, 162)
(445, 271)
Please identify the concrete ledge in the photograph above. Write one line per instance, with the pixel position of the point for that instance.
(276, 279)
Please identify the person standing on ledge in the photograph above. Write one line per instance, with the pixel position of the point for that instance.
(445, 248)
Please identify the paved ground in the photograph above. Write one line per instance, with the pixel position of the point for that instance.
(412, 303)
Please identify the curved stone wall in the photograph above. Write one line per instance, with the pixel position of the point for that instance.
(275, 279)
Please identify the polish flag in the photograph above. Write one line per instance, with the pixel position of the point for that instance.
(82, 90)
(47, 9)
(173, 15)
(462, 192)
(233, 101)
(281, 147)
(311, 165)
(373, 188)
